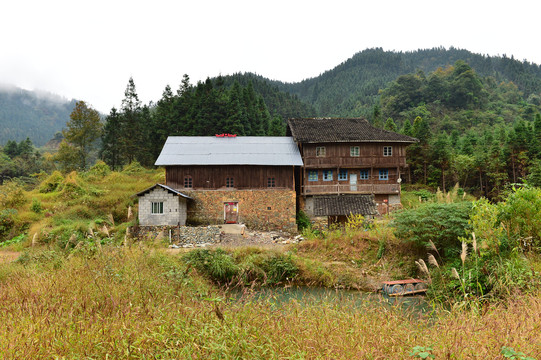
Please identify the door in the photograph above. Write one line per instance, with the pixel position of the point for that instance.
(231, 212)
(352, 182)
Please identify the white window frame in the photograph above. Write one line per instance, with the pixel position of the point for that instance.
(321, 151)
(156, 208)
(387, 151)
(354, 151)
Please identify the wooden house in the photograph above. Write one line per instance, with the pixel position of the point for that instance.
(234, 179)
(348, 156)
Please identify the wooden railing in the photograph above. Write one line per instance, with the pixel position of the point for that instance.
(375, 161)
(352, 189)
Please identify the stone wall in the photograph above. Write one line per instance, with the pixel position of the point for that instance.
(174, 208)
(259, 209)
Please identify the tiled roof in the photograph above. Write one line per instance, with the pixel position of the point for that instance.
(344, 205)
(239, 150)
(165, 187)
(320, 130)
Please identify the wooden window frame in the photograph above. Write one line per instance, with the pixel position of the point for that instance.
(354, 151)
(230, 182)
(387, 151)
(321, 151)
(271, 182)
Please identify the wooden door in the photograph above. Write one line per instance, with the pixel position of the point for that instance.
(231, 212)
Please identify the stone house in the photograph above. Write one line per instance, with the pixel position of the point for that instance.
(350, 167)
(234, 179)
(162, 205)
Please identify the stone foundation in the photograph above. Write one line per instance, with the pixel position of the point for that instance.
(258, 209)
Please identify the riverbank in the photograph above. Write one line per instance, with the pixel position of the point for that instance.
(135, 302)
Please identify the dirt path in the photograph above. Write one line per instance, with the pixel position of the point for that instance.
(8, 256)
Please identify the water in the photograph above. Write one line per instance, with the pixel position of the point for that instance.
(354, 299)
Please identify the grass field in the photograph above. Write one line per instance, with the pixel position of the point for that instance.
(140, 303)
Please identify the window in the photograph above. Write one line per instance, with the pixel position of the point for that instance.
(327, 175)
(384, 174)
(364, 174)
(354, 151)
(157, 208)
(229, 182)
(312, 175)
(271, 182)
(188, 183)
(343, 175)
(320, 151)
(387, 151)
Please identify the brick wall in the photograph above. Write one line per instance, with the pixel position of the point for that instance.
(258, 209)
(174, 208)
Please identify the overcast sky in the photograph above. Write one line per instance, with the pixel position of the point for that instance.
(89, 49)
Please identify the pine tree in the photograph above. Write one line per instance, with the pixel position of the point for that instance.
(111, 149)
(390, 125)
(130, 123)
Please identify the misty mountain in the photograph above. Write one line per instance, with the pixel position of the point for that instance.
(37, 115)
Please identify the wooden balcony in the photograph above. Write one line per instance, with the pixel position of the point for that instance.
(353, 162)
(351, 189)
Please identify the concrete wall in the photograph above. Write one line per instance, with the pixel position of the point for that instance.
(258, 209)
(174, 208)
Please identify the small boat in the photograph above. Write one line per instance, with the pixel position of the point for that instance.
(404, 287)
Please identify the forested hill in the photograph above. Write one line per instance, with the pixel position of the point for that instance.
(352, 88)
(28, 114)
(279, 102)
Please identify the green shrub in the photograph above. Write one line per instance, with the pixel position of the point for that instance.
(520, 214)
(36, 206)
(442, 224)
(217, 265)
(52, 183)
(303, 221)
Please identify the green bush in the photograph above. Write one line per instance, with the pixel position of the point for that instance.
(217, 265)
(442, 224)
(52, 183)
(520, 214)
(303, 221)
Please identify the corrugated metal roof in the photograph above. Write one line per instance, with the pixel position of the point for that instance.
(171, 190)
(240, 150)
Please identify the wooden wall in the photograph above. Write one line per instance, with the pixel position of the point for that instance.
(338, 155)
(211, 177)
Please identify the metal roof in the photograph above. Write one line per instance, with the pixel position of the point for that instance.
(240, 150)
(165, 187)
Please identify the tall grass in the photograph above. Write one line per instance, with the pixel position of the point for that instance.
(140, 304)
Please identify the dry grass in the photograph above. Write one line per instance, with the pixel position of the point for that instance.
(139, 304)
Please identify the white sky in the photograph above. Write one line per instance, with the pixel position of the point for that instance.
(88, 49)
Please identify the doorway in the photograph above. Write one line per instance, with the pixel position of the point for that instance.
(231, 212)
(352, 182)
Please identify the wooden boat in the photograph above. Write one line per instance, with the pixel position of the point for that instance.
(404, 287)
